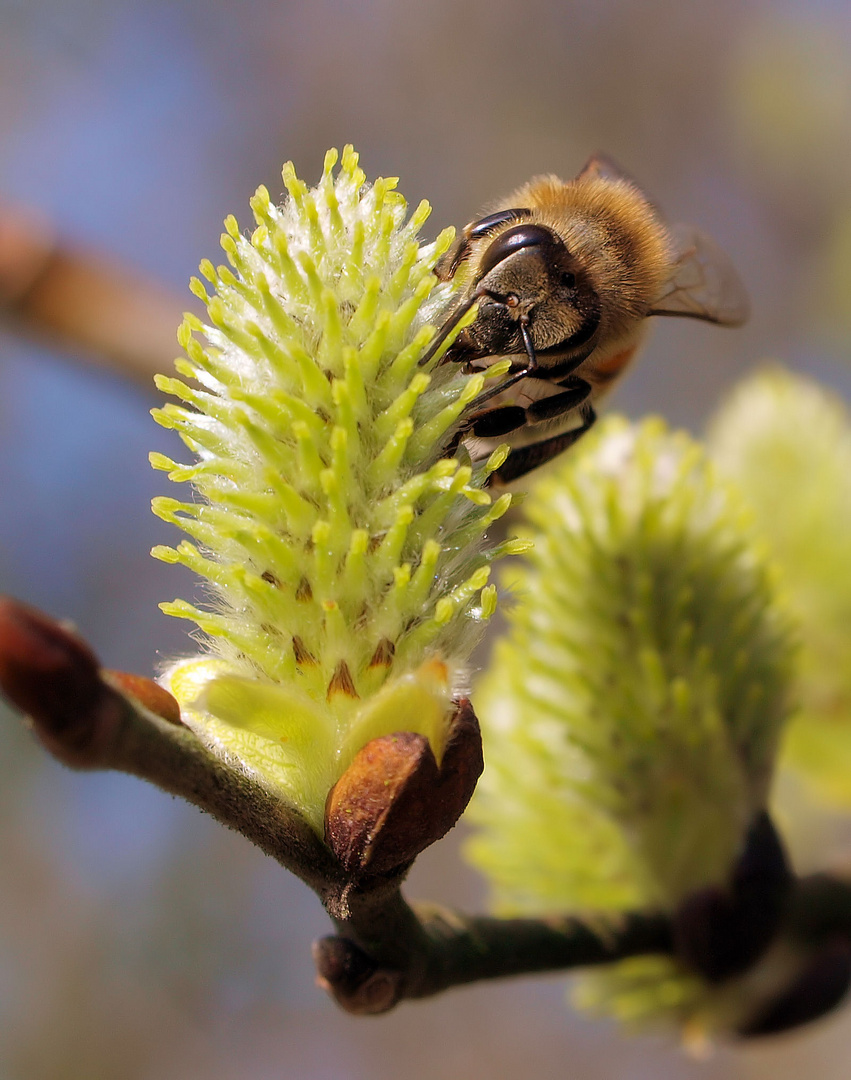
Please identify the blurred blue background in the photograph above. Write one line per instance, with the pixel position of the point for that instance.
(138, 940)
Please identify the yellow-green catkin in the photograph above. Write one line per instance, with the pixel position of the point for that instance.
(632, 713)
(344, 553)
(786, 442)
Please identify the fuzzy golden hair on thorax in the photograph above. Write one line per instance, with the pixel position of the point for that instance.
(611, 227)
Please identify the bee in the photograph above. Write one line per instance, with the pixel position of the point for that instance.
(565, 276)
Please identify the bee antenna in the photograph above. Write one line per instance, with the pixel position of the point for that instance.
(447, 328)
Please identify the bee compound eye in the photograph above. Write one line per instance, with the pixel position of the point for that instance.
(516, 239)
(477, 229)
(568, 280)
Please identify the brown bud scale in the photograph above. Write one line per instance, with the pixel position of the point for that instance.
(148, 693)
(394, 801)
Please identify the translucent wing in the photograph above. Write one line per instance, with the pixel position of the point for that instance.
(602, 167)
(704, 284)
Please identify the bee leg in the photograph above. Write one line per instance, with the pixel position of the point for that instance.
(547, 408)
(495, 391)
(558, 370)
(524, 459)
(491, 423)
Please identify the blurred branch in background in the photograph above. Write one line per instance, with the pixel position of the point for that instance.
(83, 303)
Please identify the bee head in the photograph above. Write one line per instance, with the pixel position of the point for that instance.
(527, 273)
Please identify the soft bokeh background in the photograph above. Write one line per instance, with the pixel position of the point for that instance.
(139, 940)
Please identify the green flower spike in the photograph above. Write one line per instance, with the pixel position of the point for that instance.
(344, 554)
(786, 442)
(632, 715)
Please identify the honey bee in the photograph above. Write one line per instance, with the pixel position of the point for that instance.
(566, 275)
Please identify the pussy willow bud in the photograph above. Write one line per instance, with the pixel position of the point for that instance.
(632, 715)
(786, 442)
(343, 553)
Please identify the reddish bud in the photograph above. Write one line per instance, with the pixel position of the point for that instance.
(721, 932)
(353, 979)
(394, 801)
(819, 987)
(148, 693)
(53, 676)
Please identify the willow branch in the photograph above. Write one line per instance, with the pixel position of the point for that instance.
(385, 950)
(83, 302)
(388, 951)
(91, 719)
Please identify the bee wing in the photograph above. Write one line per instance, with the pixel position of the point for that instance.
(703, 283)
(602, 167)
